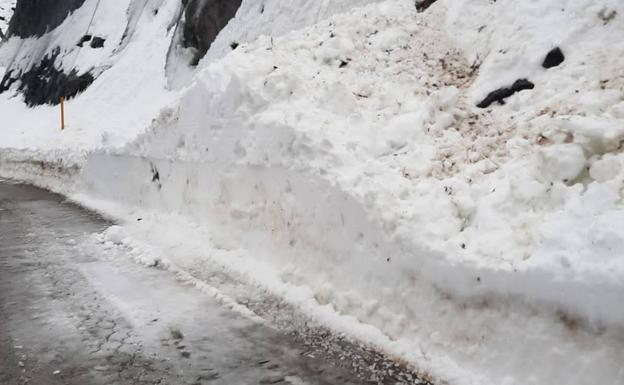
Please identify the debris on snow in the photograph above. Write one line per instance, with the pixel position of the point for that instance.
(176, 334)
(553, 58)
(501, 94)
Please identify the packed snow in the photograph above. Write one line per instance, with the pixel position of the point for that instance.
(337, 158)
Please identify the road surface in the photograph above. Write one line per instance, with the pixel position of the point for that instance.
(72, 316)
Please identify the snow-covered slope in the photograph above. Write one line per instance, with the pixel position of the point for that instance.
(133, 64)
(338, 157)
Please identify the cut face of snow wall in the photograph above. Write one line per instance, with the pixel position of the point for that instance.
(321, 237)
(295, 208)
(290, 207)
(55, 173)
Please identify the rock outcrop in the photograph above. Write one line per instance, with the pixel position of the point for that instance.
(35, 17)
(204, 19)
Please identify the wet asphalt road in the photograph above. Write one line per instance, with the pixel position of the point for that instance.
(70, 316)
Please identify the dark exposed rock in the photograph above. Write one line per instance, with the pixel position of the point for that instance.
(553, 58)
(35, 17)
(97, 42)
(45, 84)
(204, 19)
(83, 40)
(7, 80)
(502, 93)
(422, 5)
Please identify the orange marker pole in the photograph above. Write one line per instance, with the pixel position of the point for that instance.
(62, 113)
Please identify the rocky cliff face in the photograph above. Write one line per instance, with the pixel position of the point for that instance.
(35, 17)
(45, 84)
(203, 21)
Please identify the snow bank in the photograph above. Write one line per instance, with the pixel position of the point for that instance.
(352, 151)
(346, 167)
(346, 102)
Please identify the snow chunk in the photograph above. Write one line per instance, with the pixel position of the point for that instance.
(115, 234)
(606, 168)
(562, 162)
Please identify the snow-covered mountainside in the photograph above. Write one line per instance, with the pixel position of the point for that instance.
(444, 181)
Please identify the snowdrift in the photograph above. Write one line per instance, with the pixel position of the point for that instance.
(337, 157)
